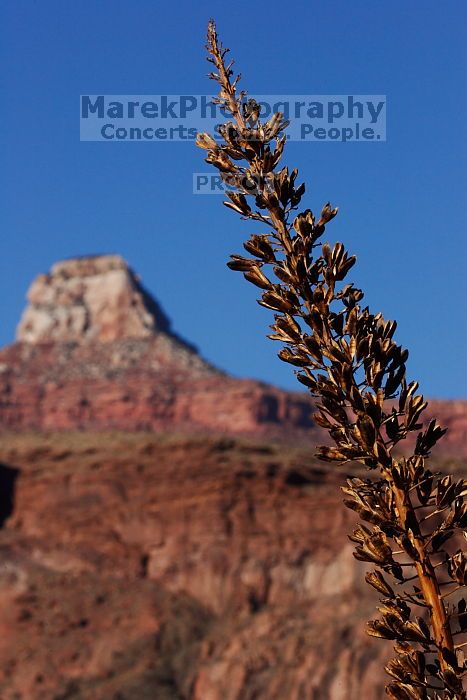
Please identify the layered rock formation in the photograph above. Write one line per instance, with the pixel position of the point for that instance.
(95, 351)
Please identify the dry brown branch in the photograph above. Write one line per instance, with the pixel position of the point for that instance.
(349, 361)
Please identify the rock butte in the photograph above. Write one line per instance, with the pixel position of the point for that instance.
(95, 351)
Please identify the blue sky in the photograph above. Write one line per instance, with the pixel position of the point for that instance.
(401, 202)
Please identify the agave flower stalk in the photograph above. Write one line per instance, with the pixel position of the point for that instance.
(413, 520)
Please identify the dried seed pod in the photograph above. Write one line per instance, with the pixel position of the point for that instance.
(376, 579)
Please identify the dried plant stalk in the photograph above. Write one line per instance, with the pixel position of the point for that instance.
(348, 359)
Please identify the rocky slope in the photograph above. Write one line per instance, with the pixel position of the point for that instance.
(168, 567)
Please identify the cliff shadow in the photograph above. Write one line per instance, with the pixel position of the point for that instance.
(8, 476)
